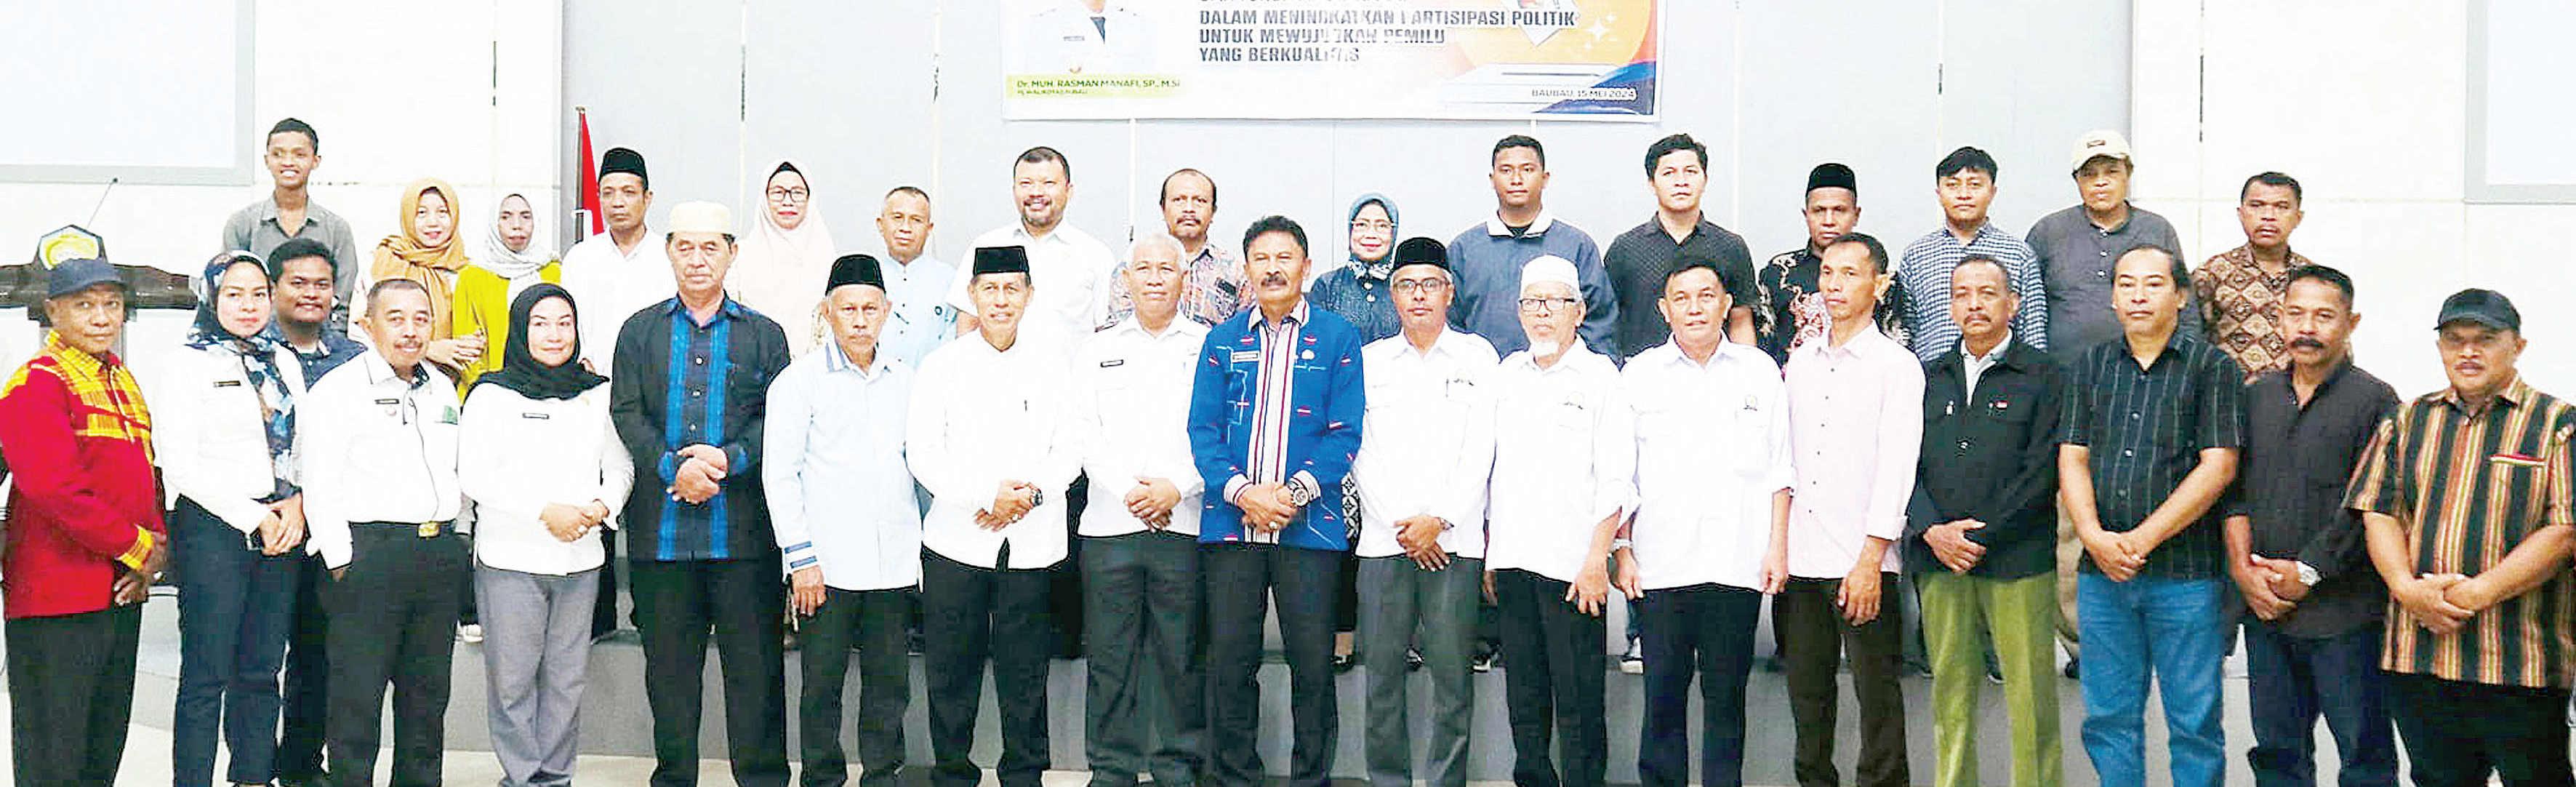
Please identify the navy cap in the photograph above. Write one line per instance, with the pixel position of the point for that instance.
(73, 276)
(2485, 307)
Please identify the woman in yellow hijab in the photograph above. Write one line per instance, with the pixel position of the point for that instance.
(426, 251)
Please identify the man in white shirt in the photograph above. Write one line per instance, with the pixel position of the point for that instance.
(1074, 265)
(840, 502)
(1711, 531)
(988, 435)
(614, 276)
(1856, 418)
(380, 498)
(620, 273)
(1564, 455)
(916, 285)
(1426, 448)
(1140, 555)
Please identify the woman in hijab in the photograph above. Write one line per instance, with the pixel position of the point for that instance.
(225, 440)
(511, 261)
(542, 463)
(1357, 291)
(786, 258)
(426, 251)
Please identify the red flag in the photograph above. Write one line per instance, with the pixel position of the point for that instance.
(589, 179)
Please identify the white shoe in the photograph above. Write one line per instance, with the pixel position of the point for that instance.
(1634, 661)
(470, 633)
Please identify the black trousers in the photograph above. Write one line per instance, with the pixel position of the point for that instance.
(71, 694)
(1065, 598)
(2457, 733)
(1301, 584)
(870, 621)
(1813, 639)
(393, 620)
(603, 611)
(676, 603)
(970, 615)
(1554, 680)
(1702, 631)
(1146, 678)
(305, 710)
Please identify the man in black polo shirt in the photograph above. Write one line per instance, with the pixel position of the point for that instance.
(688, 394)
(1981, 534)
(2152, 427)
(1677, 169)
(2298, 556)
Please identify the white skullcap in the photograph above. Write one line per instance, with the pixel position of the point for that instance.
(1549, 268)
(701, 217)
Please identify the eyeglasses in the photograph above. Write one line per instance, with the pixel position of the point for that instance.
(789, 195)
(1373, 226)
(1411, 286)
(1537, 305)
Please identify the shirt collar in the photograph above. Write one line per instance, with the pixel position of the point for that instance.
(1297, 315)
(729, 310)
(2514, 393)
(79, 361)
(1858, 341)
(380, 370)
(2129, 217)
(1991, 357)
(835, 362)
(1494, 225)
(1180, 326)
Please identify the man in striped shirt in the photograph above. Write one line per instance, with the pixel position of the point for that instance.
(2153, 424)
(2465, 494)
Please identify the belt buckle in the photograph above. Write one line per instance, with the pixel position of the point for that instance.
(428, 530)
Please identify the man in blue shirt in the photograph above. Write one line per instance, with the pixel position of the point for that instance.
(1274, 423)
(688, 396)
(1488, 257)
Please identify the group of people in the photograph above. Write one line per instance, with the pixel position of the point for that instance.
(2069, 434)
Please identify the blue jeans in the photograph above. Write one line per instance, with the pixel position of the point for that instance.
(235, 606)
(2171, 633)
(2293, 680)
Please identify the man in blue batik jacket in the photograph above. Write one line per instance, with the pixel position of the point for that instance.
(1274, 423)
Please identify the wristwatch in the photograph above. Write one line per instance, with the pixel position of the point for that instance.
(2308, 575)
(1617, 544)
(1299, 495)
(1037, 497)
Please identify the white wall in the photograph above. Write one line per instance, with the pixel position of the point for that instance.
(396, 91)
(2363, 101)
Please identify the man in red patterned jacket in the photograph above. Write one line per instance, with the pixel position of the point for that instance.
(85, 538)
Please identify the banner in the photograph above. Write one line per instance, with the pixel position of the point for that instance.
(1295, 59)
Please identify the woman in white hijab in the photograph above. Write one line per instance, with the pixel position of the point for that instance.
(510, 261)
(786, 257)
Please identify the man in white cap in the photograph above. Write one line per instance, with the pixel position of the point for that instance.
(1564, 456)
(688, 395)
(2077, 246)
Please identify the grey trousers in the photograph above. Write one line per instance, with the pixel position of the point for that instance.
(536, 659)
(1434, 611)
(1141, 613)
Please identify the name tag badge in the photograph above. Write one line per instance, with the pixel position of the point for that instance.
(228, 383)
(1113, 362)
(1247, 356)
(2001, 405)
(536, 416)
(393, 409)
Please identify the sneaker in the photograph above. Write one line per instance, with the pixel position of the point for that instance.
(2074, 668)
(1412, 659)
(1343, 662)
(1485, 659)
(470, 633)
(1633, 662)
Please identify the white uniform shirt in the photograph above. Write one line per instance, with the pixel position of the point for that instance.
(1131, 412)
(516, 454)
(1427, 443)
(210, 433)
(611, 286)
(1856, 423)
(1564, 459)
(840, 495)
(922, 319)
(376, 449)
(1069, 271)
(1712, 448)
(982, 416)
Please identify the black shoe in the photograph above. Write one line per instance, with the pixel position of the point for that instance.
(912, 644)
(2074, 668)
(1486, 657)
(1412, 659)
(1343, 662)
(1771, 664)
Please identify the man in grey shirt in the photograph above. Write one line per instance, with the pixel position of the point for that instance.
(291, 154)
(2077, 246)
